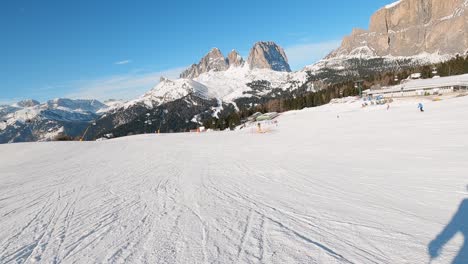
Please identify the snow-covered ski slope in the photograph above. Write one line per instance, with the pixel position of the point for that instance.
(372, 186)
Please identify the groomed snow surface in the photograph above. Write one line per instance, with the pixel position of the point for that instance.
(372, 186)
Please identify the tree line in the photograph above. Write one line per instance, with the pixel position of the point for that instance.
(230, 119)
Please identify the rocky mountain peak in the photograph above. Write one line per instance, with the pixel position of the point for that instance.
(28, 103)
(214, 53)
(212, 61)
(235, 59)
(411, 27)
(263, 55)
(268, 55)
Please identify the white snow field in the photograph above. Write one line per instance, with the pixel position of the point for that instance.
(372, 186)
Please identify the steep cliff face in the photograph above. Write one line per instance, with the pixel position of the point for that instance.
(263, 55)
(268, 55)
(235, 59)
(411, 27)
(213, 61)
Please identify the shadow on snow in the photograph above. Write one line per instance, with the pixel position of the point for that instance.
(458, 223)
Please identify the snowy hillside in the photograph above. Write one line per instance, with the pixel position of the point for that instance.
(167, 91)
(372, 186)
(363, 60)
(233, 83)
(226, 85)
(29, 120)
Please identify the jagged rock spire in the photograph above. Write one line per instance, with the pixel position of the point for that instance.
(268, 55)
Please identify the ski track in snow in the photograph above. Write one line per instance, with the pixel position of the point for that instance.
(372, 186)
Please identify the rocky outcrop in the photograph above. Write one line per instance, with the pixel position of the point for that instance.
(28, 103)
(234, 59)
(411, 27)
(213, 61)
(268, 55)
(263, 55)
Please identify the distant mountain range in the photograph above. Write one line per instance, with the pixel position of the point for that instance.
(30, 120)
(400, 35)
(215, 85)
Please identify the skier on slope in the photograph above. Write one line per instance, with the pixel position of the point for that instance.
(421, 107)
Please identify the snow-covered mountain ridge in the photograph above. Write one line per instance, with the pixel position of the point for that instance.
(234, 83)
(226, 79)
(30, 120)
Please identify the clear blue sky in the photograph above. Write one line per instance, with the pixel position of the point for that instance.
(118, 49)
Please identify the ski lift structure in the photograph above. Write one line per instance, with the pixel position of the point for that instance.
(163, 120)
(86, 131)
(358, 85)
